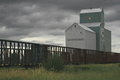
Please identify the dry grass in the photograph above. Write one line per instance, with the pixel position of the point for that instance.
(71, 72)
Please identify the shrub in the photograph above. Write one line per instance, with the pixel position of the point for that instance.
(119, 65)
(54, 63)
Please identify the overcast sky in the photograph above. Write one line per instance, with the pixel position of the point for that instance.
(44, 21)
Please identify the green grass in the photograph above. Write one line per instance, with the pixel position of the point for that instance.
(71, 72)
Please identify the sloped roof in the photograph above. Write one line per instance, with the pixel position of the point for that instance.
(80, 25)
(93, 10)
(85, 27)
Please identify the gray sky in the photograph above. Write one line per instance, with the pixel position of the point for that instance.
(44, 21)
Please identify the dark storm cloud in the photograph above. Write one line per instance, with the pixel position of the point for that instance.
(31, 18)
(68, 4)
(25, 18)
(73, 5)
(112, 13)
(10, 32)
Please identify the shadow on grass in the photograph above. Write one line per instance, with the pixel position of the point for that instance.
(76, 68)
(13, 78)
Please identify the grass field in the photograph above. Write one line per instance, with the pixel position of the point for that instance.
(71, 72)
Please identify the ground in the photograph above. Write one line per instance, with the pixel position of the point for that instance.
(70, 72)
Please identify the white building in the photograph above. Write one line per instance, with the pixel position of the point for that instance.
(80, 36)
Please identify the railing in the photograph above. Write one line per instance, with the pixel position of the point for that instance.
(19, 53)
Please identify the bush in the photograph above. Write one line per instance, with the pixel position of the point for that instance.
(54, 63)
(119, 65)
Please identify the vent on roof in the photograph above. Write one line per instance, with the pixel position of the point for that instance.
(80, 32)
(75, 26)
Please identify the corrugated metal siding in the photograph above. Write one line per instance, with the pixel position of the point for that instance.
(107, 40)
(97, 30)
(95, 17)
(78, 37)
(75, 37)
(90, 40)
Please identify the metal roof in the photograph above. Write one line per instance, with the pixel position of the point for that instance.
(85, 27)
(91, 24)
(93, 10)
(80, 25)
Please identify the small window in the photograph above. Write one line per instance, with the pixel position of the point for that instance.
(75, 26)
